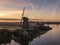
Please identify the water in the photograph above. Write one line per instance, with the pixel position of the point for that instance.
(51, 37)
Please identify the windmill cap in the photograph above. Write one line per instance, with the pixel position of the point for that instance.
(25, 18)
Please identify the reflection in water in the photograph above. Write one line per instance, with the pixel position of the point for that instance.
(25, 40)
(19, 36)
(52, 37)
(14, 43)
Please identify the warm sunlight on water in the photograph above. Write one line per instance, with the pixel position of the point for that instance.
(19, 20)
(9, 20)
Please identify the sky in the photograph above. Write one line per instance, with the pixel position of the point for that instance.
(34, 9)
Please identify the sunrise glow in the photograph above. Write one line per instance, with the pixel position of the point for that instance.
(34, 9)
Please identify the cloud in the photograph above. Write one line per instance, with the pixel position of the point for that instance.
(46, 9)
(53, 13)
(32, 6)
(13, 4)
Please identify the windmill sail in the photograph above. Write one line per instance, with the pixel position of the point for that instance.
(22, 15)
(23, 12)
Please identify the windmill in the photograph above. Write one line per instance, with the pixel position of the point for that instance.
(22, 15)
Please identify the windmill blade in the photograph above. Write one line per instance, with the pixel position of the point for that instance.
(23, 12)
(22, 16)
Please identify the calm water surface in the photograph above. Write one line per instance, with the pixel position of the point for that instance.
(52, 37)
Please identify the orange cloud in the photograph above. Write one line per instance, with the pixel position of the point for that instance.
(7, 14)
(7, 10)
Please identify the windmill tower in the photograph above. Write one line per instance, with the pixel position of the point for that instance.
(25, 22)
